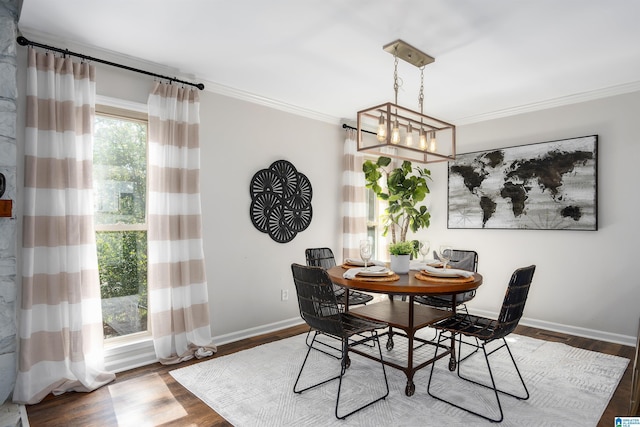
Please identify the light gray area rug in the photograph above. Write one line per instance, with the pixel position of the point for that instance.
(568, 387)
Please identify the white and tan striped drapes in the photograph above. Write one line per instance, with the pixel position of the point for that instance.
(178, 294)
(60, 319)
(354, 210)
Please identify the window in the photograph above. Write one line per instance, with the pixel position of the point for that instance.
(372, 221)
(120, 190)
(375, 209)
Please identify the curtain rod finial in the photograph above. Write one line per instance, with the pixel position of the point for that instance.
(22, 41)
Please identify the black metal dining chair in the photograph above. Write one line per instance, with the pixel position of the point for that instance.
(323, 257)
(463, 260)
(319, 309)
(486, 331)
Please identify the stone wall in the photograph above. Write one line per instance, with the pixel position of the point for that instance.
(9, 12)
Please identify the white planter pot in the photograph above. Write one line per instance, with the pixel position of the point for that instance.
(400, 263)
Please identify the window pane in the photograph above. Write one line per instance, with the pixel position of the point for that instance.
(120, 170)
(120, 181)
(371, 206)
(122, 261)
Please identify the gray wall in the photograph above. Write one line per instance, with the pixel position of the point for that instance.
(246, 268)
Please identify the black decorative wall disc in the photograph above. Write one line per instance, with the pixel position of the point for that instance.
(280, 201)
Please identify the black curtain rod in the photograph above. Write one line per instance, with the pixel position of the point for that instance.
(22, 41)
(346, 126)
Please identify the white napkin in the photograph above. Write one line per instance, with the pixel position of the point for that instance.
(451, 271)
(353, 261)
(419, 265)
(353, 272)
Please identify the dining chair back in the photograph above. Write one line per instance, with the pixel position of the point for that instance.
(319, 309)
(320, 257)
(514, 301)
(485, 331)
(323, 257)
(463, 260)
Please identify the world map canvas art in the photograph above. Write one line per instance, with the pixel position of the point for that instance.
(544, 186)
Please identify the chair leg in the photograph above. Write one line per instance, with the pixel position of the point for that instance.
(344, 366)
(336, 356)
(337, 349)
(463, 307)
(505, 345)
(493, 387)
(309, 347)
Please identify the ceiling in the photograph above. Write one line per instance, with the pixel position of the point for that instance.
(492, 57)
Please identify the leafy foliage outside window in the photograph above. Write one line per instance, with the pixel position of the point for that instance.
(120, 170)
(120, 185)
(123, 264)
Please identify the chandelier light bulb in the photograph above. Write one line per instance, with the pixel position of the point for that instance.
(409, 138)
(423, 139)
(395, 133)
(382, 129)
(433, 144)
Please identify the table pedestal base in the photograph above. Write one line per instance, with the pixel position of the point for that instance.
(408, 318)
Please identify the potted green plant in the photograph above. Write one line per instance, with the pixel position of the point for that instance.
(400, 254)
(406, 187)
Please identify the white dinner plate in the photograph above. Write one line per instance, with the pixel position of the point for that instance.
(359, 263)
(375, 271)
(443, 273)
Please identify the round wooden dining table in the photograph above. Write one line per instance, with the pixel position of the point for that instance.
(406, 315)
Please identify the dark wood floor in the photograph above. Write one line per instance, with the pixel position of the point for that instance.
(150, 395)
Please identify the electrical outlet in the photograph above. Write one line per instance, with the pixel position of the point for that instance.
(284, 295)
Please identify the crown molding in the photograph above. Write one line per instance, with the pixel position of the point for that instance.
(552, 103)
(268, 102)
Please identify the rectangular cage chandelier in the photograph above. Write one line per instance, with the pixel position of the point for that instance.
(394, 131)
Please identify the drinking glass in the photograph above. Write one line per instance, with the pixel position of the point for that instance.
(424, 249)
(365, 251)
(444, 254)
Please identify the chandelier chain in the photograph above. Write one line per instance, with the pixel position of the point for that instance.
(395, 76)
(421, 94)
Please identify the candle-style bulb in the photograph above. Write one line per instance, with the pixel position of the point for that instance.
(409, 138)
(395, 133)
(382, 129)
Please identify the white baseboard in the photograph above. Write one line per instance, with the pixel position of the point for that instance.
(566, 329)
(141, 353)
(259, 330)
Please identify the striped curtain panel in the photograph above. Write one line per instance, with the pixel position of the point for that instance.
(60, 319)
(354, 208)
(178, 294)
